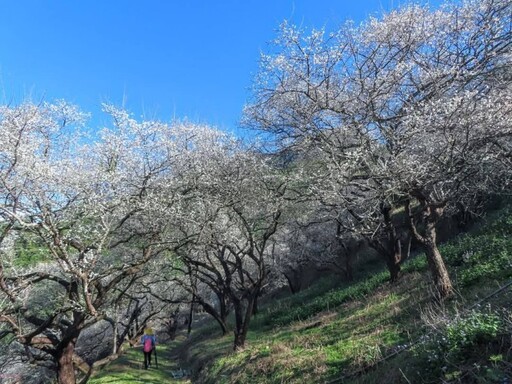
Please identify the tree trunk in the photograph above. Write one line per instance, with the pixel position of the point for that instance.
(115, 330)
(255, 308)
(442, 282)
(66, 370)
(216, 315)
(344, 254)
(224, 310)
(191, 315)
(172, 323)
(431, 214)
(242, 321)
(239, 343)
(393, 264)
(394, 251)
(293, 280)
(392, 256)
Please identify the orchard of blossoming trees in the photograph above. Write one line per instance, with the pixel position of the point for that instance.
(412, 110)
(409, 112)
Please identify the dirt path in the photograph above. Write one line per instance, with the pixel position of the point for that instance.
(128, 369)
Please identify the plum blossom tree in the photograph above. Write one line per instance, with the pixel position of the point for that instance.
(411, 107)
(439, 105)
(90, 206)
(228, 224)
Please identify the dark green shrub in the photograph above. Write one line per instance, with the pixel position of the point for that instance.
(462, 342)
(463, 335)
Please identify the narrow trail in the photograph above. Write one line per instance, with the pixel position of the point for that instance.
(128, 369)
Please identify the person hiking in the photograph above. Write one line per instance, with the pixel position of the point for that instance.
(148, 341)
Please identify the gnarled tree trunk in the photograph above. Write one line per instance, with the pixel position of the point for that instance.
(242, 320)
(220, 317)
(431, 213)
(65, 367)
(442, 282)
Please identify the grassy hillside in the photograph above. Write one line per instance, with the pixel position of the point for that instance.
(374, 332)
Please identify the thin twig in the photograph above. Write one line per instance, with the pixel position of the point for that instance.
(403, 374)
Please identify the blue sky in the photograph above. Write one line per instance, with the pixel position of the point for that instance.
(190, 59)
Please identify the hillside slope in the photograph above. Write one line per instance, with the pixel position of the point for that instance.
(374, 332)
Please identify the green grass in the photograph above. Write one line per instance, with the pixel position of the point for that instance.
(128, 369)
(337, 332)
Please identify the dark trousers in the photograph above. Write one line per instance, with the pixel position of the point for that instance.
(147, 359)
